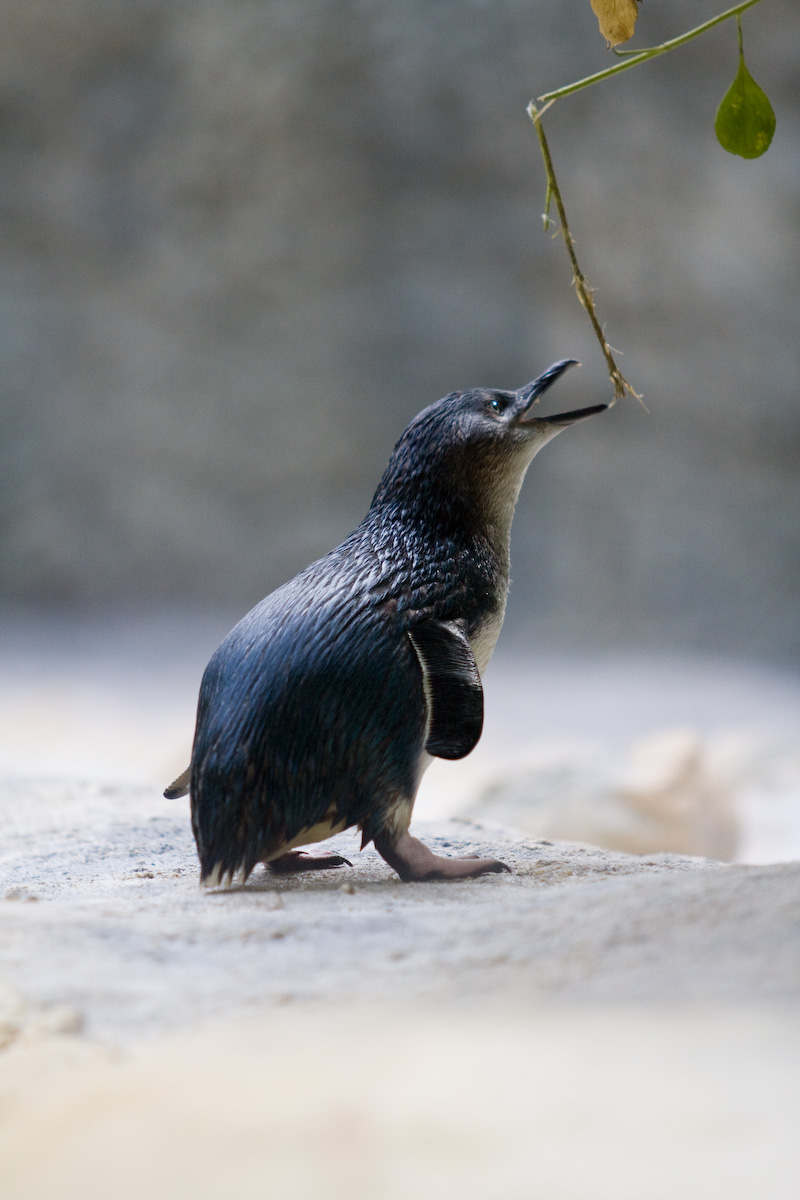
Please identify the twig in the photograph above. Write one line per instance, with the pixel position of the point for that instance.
(641, 56)
(621, 385)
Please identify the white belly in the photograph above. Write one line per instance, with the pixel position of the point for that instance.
(484, 640)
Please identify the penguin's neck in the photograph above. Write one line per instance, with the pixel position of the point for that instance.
(497, 513)
(447, 525)
(476, 508)
(453, 548)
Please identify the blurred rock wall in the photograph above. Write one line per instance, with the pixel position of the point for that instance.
(244, 242)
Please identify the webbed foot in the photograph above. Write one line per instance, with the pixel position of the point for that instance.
(298, 860)
(414, 862)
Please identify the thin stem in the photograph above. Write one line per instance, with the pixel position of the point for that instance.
(652, 52)
(546, 219)
(621, 385)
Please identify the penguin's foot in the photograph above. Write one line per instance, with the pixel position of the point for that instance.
(298, 860)
(414, 862)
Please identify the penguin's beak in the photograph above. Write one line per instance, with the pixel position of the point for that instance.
(528, 395)
(560, 420)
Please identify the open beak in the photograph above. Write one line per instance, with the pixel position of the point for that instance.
(578, 414)
(530, 393)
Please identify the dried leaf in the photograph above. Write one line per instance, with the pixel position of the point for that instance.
(616, 19)
(745, 121)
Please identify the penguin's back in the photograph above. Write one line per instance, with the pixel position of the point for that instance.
(311, 712)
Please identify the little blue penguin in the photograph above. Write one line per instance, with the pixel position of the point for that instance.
(323, 707)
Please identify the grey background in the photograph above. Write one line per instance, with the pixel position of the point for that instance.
(243, 243)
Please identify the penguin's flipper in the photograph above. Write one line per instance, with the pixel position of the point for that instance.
(452, 687)
(179, 786)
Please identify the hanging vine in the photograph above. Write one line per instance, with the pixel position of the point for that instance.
(744, 125)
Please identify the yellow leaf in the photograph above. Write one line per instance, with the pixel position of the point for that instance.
(616, 19)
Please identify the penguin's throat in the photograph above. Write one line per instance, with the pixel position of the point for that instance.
(496, 518)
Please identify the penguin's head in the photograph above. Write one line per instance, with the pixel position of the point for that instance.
(475, 445)
(483, 419)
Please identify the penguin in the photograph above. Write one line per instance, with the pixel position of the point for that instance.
(321, 710)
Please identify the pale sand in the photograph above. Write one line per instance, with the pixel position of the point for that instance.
(397, 1103)
(593, 1025)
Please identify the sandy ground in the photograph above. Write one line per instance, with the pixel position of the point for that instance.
(102, 913)
(593, 1024)
(564, 1105)
(563, 1030)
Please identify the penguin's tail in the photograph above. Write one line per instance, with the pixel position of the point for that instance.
(217, 877)
(179, 786)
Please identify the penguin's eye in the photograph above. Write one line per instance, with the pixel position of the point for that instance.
(496, 405)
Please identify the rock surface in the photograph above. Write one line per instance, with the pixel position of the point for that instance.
(594, 1024)
(102, 914)
(662, 795)
(389, 1104)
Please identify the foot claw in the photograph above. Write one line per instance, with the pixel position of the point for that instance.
(297, 860)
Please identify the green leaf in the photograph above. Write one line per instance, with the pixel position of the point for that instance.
(745, 121)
